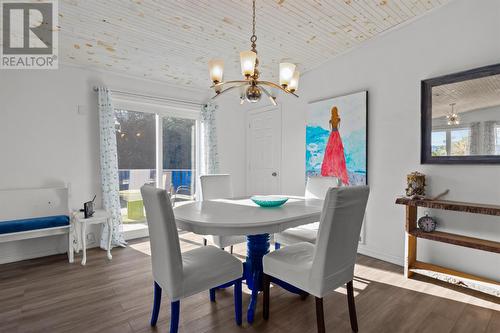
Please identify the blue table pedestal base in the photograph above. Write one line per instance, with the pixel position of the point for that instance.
(257, 248)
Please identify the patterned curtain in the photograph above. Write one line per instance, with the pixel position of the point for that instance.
(475, 145)
(489, 137)
(109, 168)
(210, 157)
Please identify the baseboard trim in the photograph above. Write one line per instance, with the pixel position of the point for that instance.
(364, 250)
(21, 250)
(133, 234)
(28, 256)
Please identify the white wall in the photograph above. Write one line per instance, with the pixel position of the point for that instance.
(231, 139)
(44, 141)
(461, 35)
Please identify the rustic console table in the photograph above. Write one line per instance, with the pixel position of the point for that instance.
(412, 265)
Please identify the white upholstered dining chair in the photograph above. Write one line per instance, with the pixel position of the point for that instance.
(186, 274)
(219, 187)
(321, 268)
(316, 188)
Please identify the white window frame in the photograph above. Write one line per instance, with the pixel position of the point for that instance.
(497, 136)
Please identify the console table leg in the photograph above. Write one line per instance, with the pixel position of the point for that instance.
(410, 240)
(411, 254)
(83, 227)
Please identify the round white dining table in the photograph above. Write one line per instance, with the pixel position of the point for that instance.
(241, 216)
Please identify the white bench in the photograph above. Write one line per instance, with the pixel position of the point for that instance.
(33, 203)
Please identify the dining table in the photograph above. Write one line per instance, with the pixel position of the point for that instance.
(241, 216)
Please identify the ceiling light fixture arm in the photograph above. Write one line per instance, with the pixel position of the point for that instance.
(274, 85)
(271, 97)
(228, 89)
(229, 82)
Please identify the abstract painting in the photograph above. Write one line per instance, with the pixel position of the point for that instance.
(336, 138)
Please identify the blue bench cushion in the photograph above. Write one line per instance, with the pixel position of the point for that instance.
(7, 227)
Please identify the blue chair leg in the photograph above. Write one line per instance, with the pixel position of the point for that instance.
(277, 246)
(156, 304)
(175, 308)
(237, 302)
(212, 295)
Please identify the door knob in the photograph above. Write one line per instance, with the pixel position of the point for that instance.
(274, 174)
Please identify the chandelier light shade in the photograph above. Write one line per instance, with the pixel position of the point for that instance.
(251, 89)
(248, 59)
(286, 73)
(294, 82)
(216, 70)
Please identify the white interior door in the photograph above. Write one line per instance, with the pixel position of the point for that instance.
(264, 151)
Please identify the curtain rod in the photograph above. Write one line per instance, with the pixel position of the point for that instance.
(152, 97)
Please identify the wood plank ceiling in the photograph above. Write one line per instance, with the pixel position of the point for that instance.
(467, 95)
(173, 40)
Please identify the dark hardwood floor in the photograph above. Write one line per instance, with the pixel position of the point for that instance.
(50, 295)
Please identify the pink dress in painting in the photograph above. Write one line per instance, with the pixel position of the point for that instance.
(334, 160)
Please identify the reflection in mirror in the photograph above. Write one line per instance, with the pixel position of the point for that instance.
(466, 118)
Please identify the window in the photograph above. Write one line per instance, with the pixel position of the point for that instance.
(438, 143)
(142, 138)
(179, 156)
(460, 141)
(497, 140)
(451, 142)
(135, 141)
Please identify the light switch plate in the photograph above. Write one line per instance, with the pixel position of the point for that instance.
(81, 110)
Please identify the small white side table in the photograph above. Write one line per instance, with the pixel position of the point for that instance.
(81, 223)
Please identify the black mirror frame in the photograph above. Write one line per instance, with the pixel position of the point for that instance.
(426, 117)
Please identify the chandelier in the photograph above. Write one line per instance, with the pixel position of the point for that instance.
(251, 88)
(452, 117)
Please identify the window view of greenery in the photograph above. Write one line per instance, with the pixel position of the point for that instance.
(460, 142)
(438, 143)
(451, 142)
(135, 140)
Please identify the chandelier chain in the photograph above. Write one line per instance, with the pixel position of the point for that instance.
(253, 39)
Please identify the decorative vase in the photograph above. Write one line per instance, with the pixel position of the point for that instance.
(415, 184)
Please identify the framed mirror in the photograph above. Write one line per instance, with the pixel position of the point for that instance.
(461, 117)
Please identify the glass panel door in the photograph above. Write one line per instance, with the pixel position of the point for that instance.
(136, 143)
(179, 157)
